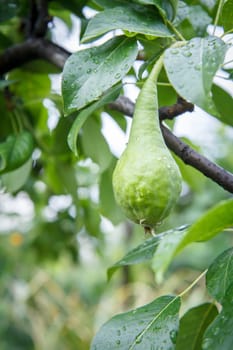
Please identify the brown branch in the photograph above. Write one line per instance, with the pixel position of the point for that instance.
(170, 112)
(126, 106)
(181, 149)
(15, 56)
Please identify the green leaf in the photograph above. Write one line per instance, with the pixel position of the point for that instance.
(220, 275)
(192, 67)
(182, 13)
(142, 21)
(152, 326)
(120, 120)
(199, 19)
(190, 175)
(108, 97)
(170, 8)
(33, 88)
(89, 73)
(146, 250)
(12, 181)
(143, 252)
(224, 104)
(108, 206)
(91, 217)
(229, 71)
(74, 6)
(207, 226)
(109, 4)
(15, 151)
(40, 67)
(166, 251)
(227, 15)
(60, 175)
(186, 29)
(166, 95)
(94, 144)
(193, 325)
(5, 41)
(191, 20)
(211, 223)
(166, 8)
(208, 4)
(219, 335)
(57, 10)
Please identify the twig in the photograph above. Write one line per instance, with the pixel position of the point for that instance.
(170, 112)
(198, 161)
(126, 106)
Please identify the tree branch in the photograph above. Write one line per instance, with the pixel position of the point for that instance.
(34, 48)
(170, 112)
(181, 149)
(198, 161)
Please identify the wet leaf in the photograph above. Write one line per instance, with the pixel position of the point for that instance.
(193, 325)
(94, 144)
(89, 73)
(166, 250)
(143, 21)
(109, 96)
(211, 223)
(108, 206)
(146, 250)
(219, 335)
(151, 326)
(140, 254)
(224, 104)
(12, 181)
(15, 151)
(220, 275)
(192, 67)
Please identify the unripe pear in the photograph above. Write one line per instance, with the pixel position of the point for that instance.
(147, 180)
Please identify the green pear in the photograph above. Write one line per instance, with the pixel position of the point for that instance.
(146, 180)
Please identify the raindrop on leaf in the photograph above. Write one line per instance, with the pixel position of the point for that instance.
(173, 336)
(207, 343)
(186, 53)
(216, 331)
(197, 67)
(138, 339)
(117, 76)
